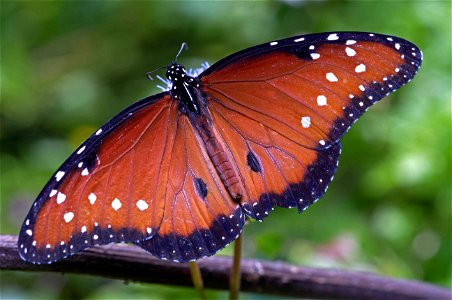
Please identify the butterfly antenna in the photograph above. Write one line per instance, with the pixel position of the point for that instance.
(149, 74)
(184, 46)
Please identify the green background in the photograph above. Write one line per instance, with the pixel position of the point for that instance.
(67, 67)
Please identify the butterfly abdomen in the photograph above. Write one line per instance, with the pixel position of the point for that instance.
(219, 158)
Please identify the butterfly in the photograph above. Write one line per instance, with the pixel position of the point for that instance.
(177, 173)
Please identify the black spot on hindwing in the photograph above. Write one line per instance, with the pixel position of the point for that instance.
(201, 188)
(252, 162)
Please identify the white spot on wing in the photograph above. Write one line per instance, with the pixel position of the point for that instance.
(99, 131)
(92, 198)
(116, 204)
(61, 198)
(350, 42)
(85, 172)
(331, 77)
(397, 46)
(360, 68)
(350, 51)
(68, 216)
(149, 230)
(315, 55)
(81, 150)
(333, 37)
(142, 205)
(306, 122)
(83, 229)
(29, 232)
(273, 43)
(52, 193)
(321, 100)
(361, 87)
(299, 40)
(322, 142)
(59, 175)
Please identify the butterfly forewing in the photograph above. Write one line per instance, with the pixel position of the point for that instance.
(290, 101)
(108, 190)
(302, 86)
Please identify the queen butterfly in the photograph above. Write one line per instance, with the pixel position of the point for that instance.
(177, 173)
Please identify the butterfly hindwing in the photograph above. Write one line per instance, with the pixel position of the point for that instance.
(107, 190)
(199, 217)
(273, 169)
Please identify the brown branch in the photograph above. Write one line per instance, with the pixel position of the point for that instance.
(133, 264)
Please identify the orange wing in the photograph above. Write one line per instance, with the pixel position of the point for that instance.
(141, 176)
(281, 109)
(275, 170)
(199, 217)
(108, 190)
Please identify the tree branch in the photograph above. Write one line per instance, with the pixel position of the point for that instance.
(133, 264)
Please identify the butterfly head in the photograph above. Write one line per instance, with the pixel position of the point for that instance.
(178, 76)
(176, 73)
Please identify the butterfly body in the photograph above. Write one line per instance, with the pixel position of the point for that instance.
(177, 173)
(193, 104)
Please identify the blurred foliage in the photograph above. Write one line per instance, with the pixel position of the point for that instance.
(67, 67)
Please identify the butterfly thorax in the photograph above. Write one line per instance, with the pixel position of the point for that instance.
(184, 89)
